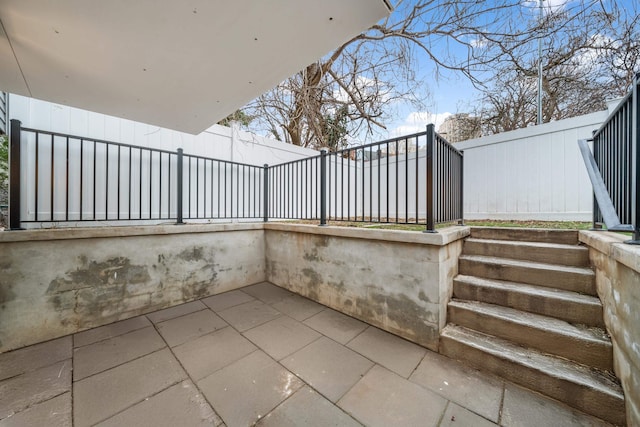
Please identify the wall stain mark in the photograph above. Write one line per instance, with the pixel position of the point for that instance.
(114, 271)
(192, 255)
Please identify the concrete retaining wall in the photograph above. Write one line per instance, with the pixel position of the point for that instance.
(617, 267)
(398, 281)
(60, 281)
(57, 282)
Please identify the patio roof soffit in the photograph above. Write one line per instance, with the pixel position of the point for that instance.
(183, 65)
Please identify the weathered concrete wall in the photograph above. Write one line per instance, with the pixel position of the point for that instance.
(56, 282)
(398, 281)
(617, 267)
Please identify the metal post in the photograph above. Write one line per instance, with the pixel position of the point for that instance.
(540, 70)
(14, 175)
(266, 192)
(430, 161)
(595, 225)
(179, 188)
(461, 188)
(323, 188)
(635, 143)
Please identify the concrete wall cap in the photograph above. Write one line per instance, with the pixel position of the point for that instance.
(443, 237)
(612, 244)
(123, 231)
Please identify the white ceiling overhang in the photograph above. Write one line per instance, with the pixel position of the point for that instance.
(180, 64)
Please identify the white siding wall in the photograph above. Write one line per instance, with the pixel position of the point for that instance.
(534, 173)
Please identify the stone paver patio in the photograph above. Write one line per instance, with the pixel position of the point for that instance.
(257, 355)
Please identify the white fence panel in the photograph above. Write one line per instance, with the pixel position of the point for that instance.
(217, 142)
(530, 174)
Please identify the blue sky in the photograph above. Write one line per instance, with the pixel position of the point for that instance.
(451, 92)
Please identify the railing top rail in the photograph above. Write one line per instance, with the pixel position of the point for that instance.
(447, 144)
(304, 159)
(195, 156)
(621, 104)
(101, 141)
(385, 141)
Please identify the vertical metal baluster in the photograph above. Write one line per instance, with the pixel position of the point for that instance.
(81, 173)
(387, 179)
(95, 147)
(118, 190)
(397, 183)
(379, 154)
(66, 210)
(406, 181)
(417, 191)
(179, 186)
(429, 183)
(140, 185)
(15, 174)
(363, 186)
(160, 185)
(130, 181)
(226, 189)
(212, 188)
(37, 172)
(341, 186)
(349, 185)
(52, 169)
(197, 187)
(106, 183)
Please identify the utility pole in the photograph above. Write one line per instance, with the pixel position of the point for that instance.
(540, 68)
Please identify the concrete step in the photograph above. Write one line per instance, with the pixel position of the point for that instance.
(566, 237)
(577, 279)
(588, 390)
(565, 305)
(552, 253)
(588, 346)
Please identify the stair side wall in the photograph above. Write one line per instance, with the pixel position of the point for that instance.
(617, 267)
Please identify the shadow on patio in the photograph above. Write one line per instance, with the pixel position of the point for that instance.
(261, 354)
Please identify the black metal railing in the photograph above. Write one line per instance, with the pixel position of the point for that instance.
(295, 189)
(69, 178)
(221, 189)
(615, 150)
(415, 179)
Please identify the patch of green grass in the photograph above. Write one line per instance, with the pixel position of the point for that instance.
(559, 225)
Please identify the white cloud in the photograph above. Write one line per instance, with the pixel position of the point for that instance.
(478, 42)
(417, 121)
(365, 86)
(547, 5)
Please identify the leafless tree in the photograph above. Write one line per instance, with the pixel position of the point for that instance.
(582, 68)
(365, 77)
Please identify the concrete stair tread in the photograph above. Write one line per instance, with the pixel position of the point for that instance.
(528, 289)
(553, 325)
(585, 271)
(545, 245)
(526, 234)
(543, 363)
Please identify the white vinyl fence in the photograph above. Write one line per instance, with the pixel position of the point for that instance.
(142, 189)
(528, 174)
(535, 173)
